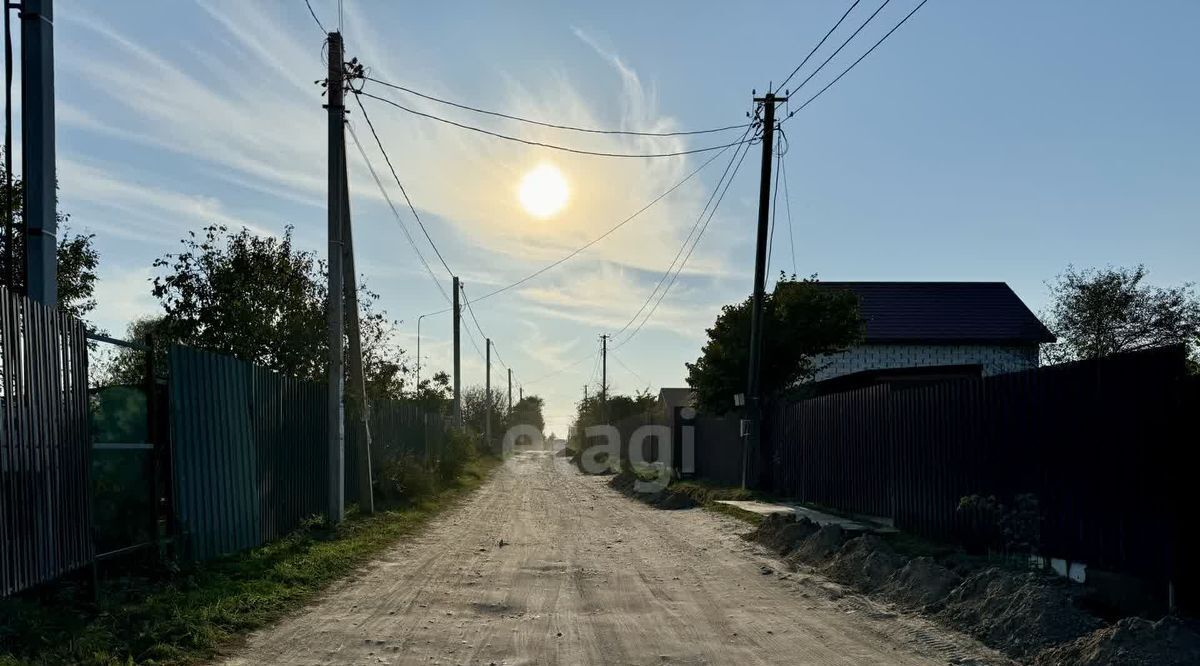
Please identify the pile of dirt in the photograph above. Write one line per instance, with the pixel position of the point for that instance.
(1019, 613)
(818, 546)
(1132, 641)
(864, 562)
(782, 533)
(921, 584)
(672, 501)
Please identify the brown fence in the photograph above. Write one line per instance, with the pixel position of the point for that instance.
(1106, 447)
(45, 518)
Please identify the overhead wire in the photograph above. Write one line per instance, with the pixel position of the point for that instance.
(860, 59)
(396, 213)
(541, 144)
(604, 235)
(841, 46)
(670, 284)
(682, 246)
(787, 202)
(539, 123)
(814, 49)
(403, 191)
(320, 25)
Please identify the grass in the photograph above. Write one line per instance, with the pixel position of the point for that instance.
(190, 615)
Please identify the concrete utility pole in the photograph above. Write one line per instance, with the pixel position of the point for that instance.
(604, 377)
(334, 308)
(37, 150)
(753, 399)
(361, 409)
(510, 390)
(457, 356)
(487, 391)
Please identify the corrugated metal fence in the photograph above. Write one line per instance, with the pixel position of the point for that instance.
(45, 517)
(397, 428)
(1103, 445)
(250, 451)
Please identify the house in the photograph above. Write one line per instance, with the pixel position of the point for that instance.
(928, 331)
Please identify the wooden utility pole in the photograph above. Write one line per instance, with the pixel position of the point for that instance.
(753, 399)
(457, 356)
(487, 391)
(360, 412)
(334, 307)
(510, 390)
(37, 150)
(604, 377)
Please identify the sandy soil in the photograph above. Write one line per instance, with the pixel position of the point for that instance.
(588, 576)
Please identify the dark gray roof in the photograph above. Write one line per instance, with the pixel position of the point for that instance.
(944, 313)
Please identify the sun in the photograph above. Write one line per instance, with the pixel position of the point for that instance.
(543, 191)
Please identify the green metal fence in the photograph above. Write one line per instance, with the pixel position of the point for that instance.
(250, 454)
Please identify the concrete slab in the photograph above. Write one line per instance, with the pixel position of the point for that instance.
(818, 517)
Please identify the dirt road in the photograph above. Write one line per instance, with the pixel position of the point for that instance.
(588, 576)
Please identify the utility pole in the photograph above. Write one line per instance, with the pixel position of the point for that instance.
(457, 356)
(604, 377)
(487, 391)
(336, 107)
(510, 390)
(37, 150)
(520, 394)
(753, 399)
(361, 411)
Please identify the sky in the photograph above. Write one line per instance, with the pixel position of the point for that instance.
(981, 141)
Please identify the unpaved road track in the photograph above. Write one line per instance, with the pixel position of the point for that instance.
(588, 576)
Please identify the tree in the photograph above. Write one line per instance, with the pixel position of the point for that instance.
(1096, 313)
(800, 321)
(77, 255)
(475, 401)
(261, 299)
(592, 411)
(435, 394)
(528, 411)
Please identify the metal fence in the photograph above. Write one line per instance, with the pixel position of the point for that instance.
(250, 451)
(397, 429)
(1106, 447)
(45, 517)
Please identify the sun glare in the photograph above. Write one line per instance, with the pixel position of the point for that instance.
(543, 191)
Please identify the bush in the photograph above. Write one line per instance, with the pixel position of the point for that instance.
(459, 449)
(404, 478)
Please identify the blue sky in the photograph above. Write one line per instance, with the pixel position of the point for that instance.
(982, 141)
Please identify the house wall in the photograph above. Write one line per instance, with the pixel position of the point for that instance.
(995, 359)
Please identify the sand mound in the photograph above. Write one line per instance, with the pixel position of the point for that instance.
(782, 533)
(1133, 642)
(1020, 613)
(818, 546)
(920, 584)
(865, 562)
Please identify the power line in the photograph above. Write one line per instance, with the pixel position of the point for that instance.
(787, 201)
(401, 186)
(396, 213)
(528, 142)
(682, 247)
(478, 327)
(561, 370)
(630, 370)
(842, 46)
(314, 15)
(774, 212)
(689, 254)
(814, 49)
(860, 59)
(604, 235)
(572, 128)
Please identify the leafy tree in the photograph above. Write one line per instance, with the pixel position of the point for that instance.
(475, 401)
(77, 255)
(435, 394)
(1096, 313)
(528, 411)
(592, 410)
(800, 321)
(261, 299)
(128, 367)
